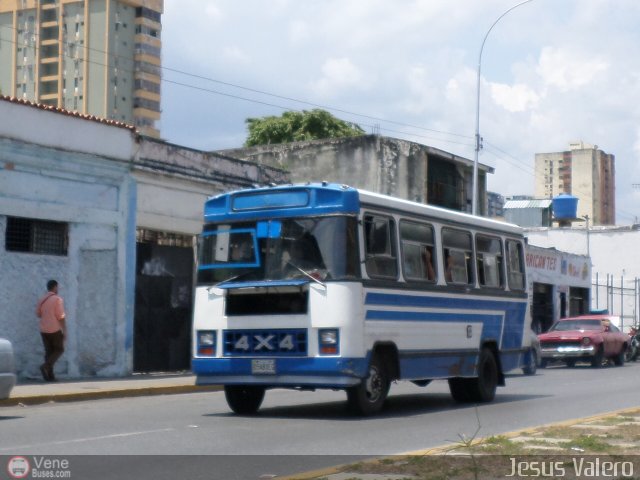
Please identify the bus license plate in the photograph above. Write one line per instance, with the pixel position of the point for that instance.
(263, 366)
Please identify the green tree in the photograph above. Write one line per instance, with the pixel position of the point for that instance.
(298, 126)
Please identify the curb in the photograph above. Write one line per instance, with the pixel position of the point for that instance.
(104, 394)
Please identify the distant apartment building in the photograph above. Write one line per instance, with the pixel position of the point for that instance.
(584, 171)
(97, 57)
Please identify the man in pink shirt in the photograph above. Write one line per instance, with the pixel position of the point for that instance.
(52, 328)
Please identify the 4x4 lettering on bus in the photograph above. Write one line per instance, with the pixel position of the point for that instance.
(264, 342)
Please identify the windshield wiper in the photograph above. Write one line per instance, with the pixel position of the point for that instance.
(230, 279)
(306, 274)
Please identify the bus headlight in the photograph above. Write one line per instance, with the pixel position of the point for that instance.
(206, 343)
(329, 341)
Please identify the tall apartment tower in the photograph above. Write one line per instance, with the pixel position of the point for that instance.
(583, 171)
(97, 57)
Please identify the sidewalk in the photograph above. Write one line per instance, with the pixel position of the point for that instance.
(33, 392)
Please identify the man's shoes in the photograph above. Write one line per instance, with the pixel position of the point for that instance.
(47, 373)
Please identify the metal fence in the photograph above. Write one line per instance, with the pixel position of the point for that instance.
(618, 296)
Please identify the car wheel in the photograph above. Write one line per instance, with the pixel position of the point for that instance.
(571, 363)
(598, 358)
(618, 360)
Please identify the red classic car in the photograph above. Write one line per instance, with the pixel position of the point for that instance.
(589, 337)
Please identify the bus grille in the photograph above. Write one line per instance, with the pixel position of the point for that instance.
(265, 342)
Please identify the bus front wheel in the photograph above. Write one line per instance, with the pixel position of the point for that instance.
(368, 397)
(244, 399)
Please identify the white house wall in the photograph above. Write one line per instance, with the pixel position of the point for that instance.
(43, 127)
(613, 251)
(104, 181)
(174, 182)
(614, 254)
(169, 205)
(96, 196)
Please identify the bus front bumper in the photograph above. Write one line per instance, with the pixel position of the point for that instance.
(330, 372)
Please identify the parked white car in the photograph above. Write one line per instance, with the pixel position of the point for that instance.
(7, 368)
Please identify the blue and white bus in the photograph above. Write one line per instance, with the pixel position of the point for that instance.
(327, 286)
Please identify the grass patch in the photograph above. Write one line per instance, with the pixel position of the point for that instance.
(615, 420)
(588, 443)
(501, 445)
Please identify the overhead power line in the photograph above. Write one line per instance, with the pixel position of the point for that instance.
(374, 127)
(252, 90)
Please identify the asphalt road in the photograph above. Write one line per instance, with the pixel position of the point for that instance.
(295, 431)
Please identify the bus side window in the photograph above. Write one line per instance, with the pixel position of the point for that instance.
(489, 261)
(380, 246)
(458, 265)
(515, 265)
(418, 253)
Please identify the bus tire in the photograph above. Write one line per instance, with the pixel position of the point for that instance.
(485, 385)
(481, 388)
(244, 399)
(532, 366)
(368, 397)
(459, 388)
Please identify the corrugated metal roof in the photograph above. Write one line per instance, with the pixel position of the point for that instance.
(546, 203)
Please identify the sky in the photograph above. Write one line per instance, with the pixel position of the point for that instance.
(552, 72)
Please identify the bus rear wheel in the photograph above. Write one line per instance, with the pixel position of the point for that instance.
(368, 397)
(244, 399)
(481, 388)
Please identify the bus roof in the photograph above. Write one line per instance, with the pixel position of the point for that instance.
(377, 199)
(282, 201)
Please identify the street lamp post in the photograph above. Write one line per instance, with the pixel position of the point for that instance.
(586, 217)
(474, 200)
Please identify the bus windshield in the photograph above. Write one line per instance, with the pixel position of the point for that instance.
(324, 248)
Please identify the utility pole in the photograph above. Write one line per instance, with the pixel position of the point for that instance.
(474, 199)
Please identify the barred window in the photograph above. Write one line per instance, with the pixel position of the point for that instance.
(164, 238)
(36, 236)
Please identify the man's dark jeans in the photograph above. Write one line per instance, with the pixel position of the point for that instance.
(53, 349)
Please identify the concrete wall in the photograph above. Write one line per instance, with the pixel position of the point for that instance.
(95, 197)
(380, 164)
(561, 272)
(59, 167)
(42, 126)
(174, 182)
(103, 181)
(614, 255)
(613, 250)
